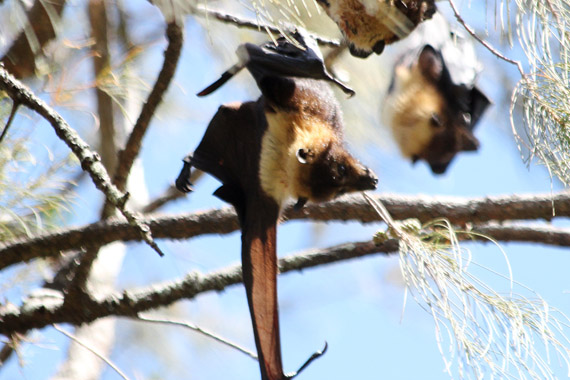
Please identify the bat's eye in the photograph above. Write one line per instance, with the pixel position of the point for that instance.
(303, 155)
(467, 118)
(435, 120)
(341, 170)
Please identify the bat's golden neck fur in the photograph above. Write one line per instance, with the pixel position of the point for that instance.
(408, 110)
(281, 174)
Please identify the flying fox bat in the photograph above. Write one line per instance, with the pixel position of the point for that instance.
(281, 58)
(287, 144)
(370, 25)
(433, 104)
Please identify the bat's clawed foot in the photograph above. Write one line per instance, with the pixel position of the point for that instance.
(183, 181)
(300, 204)
(314, 356)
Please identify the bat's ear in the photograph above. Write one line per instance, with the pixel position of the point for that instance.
(431, 63)
(467, 141)
(305, 156)
(479, 103)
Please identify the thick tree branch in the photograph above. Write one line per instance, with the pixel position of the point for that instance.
(104, 232)
(459, 211)
(20, 59)
(90, 161)
(129, 303)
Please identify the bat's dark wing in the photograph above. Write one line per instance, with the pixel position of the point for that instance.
(229, 151)
(478, 105)
(284, 59)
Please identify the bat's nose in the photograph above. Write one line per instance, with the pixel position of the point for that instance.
(439, 167)
(368, 180)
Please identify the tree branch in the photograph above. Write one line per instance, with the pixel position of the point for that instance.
(101, 68)
(130, 303)
(90, 160)
(127, 156)
(459, 211)
(20, 59)
(243, 22)
(93, 350)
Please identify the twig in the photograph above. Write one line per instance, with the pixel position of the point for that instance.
(199, 330)
(92, 350)
(487, 45)
(243, 22)
(15, 106)
(90, 161)
(127, 156)
(458, 211)
(171, 194)
(131, 302)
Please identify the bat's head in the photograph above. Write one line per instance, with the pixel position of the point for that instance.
(327, 171)
(432, 119)
(302, 152)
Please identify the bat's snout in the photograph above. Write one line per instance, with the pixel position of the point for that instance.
(368, 180)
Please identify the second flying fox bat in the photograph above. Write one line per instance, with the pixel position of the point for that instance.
(369, 25)
(287, 144)
(433, 104)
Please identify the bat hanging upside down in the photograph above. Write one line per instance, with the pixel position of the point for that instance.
(433, 103)
(369, 25)
(287, 144)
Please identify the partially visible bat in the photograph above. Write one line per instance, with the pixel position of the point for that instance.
(369, 25)
(283, 58)
(433, 104)
(287, 144)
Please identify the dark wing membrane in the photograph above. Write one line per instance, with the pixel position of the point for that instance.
(284, 59)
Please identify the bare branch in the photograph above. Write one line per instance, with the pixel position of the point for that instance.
(101, 66)
(93, 351)
(90, 161)
(487, 45)
(459, 211)
(127, 156)
(199, 330)
(129, 303)
(10, 119)
(104, 232)
(171, 194)
(244, 22)
(20, 59)
(525, 233)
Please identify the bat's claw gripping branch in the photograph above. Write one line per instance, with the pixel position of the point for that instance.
(314, 356)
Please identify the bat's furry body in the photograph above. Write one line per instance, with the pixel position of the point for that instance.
(287, 144)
